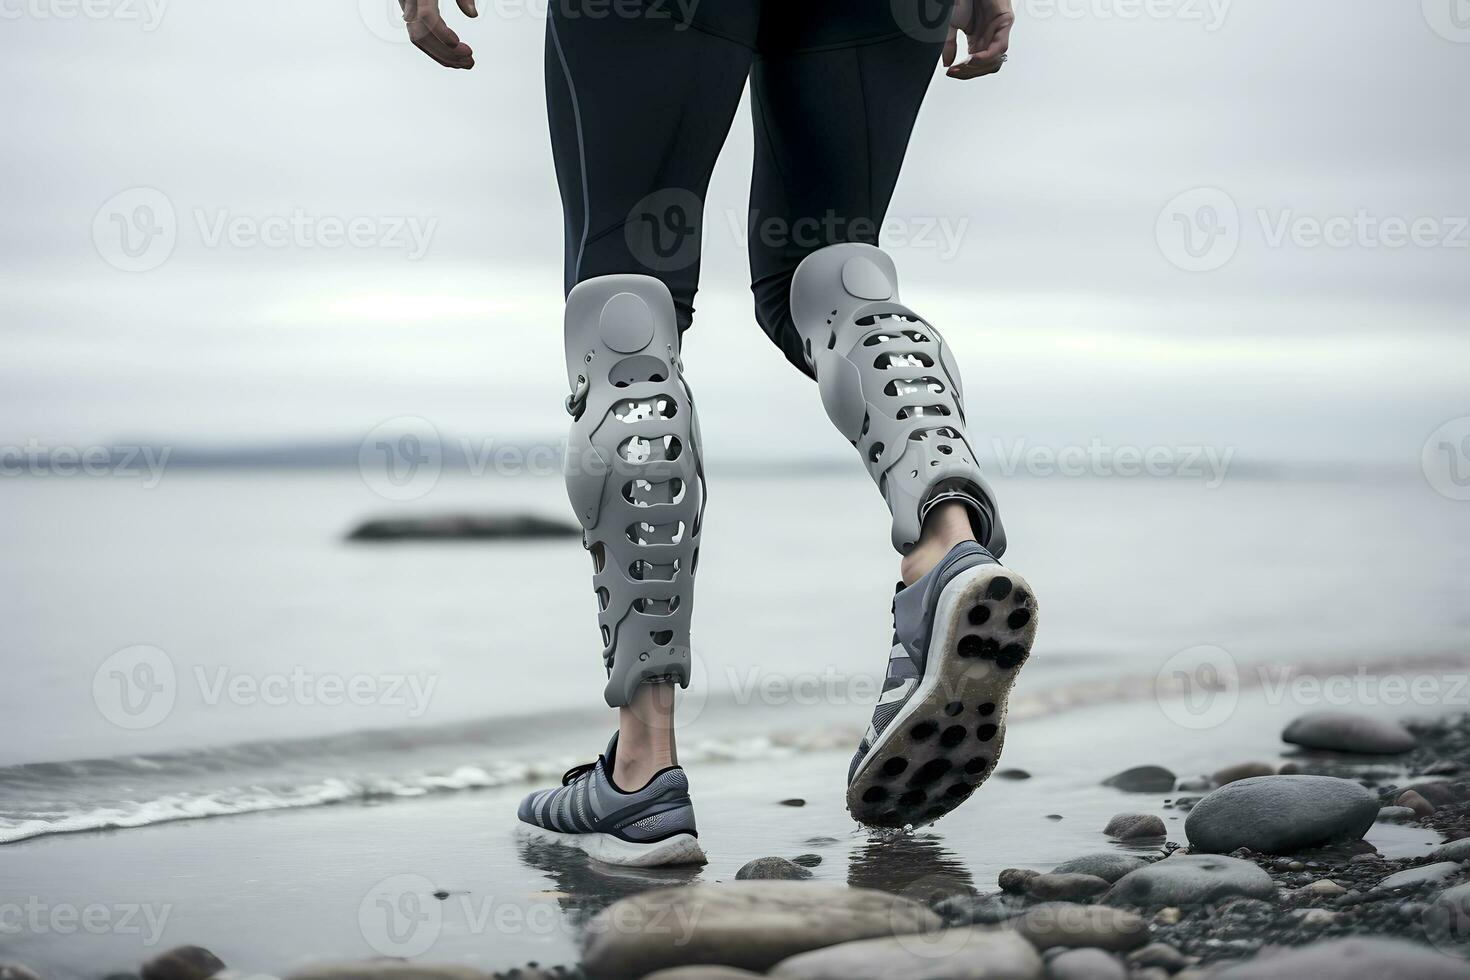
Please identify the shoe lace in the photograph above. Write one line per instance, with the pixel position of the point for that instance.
(577, 772)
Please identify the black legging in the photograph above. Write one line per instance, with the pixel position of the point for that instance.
(641, 94)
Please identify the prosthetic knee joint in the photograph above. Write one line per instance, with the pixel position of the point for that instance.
(634, 476)
(891, 386)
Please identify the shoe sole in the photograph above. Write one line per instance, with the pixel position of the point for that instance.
(947, 738)
(679, 849)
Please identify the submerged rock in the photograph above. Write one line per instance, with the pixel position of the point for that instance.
(772, 868)
(749, 924)
(1133, 826)
(1339, 731)
(965, 910)
(1107, 865)
(1281, 814)
(1350, 959)
(1070, 925)
(1065, 887)
(183, 963)
(1191, 879)
(1015, 879)
(463, 527)
(953, 953)
(1143, 779)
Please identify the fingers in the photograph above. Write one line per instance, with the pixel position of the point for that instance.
(432, 36)
(951, 46)
(988, 49)
(467, 7)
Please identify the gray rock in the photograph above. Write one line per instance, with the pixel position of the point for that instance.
(463, 527)
(1191, 879)
(1415, 802)
(749, 924)
(1160, 955)
(1199, 784)
(953, 953)
(1015, 879)
(391, 970)
(1396, 814)
(807, 860)
(1143, 779)
(1065, 887)
(966, 910)
(1339, 731)
(1455, 850)
(1243, 770)
(1073, 926)
(1085, 964)
(1280, 814)
(1437, 791)
(1132, 826)
(1409, 877)
(1107, 865)
(1358, 958)
(771, 868)
(183, 963)
(704, 972)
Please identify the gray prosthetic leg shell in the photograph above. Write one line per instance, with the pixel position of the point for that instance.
(891, 386)
(634, 476)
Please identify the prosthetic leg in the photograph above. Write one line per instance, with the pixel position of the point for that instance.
(634, 476)
(962, 631)
(891, 386)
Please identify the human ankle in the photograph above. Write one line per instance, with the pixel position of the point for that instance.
(645, 737)
(945, 526)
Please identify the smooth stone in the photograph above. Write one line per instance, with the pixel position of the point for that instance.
(953, 953)
(1065, 887)
(1132, 826)
(1015, 879)
(1455, 850)
(1415, 802)
(1191, 879)
(1243, 770)
(1437, 791)
(1085, 964)
(1339, 731)
(1107, 865)
(387, 970)
(771, 868)
(1143, 779)
(1314, 918)
(1067, 924)
(807, 860)
(1012, 774)
(182, 963)
(966, 910)
(1200, 784)
(1161, 955)
(1325, 888)
(1280, 814)
(1396, 814)
(703, 971)
(749, 924)
(1418, 876)
(794, 801)
(1356, 958)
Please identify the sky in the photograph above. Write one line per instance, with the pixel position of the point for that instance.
(1237, 225)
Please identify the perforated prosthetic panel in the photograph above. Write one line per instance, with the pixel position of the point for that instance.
(891, 386)
(634, 475)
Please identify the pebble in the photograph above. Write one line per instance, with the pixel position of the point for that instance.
(794, 801)
(1085, 964)
(1281, 814)
(1167, 916)
(1396, 814)
(1132, 826)
(1015, 879)
(1340, 731)
(1243, 770)
(1326, 888)
(1415, 802)
(1410, 877)
(183, 963)
(1067, 924)
(1161, 955)
(749, 924)
(1065, 887)
(965, 910)
(1437, 791)
(1107, 865)
(1314, 918)
(807, 860)
(1143, 779)
(771, 868)
(962, 953)
(1191, 879)
(1012, 774)
(1357, 958)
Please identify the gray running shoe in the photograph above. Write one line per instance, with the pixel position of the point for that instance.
(650, 826)
(960, 635)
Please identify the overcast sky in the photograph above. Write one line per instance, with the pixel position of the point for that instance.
(1044, 213)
